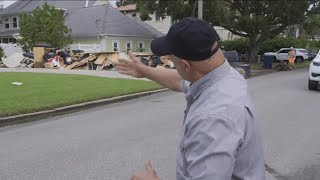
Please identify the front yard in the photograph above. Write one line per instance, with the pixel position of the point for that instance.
(48, 91)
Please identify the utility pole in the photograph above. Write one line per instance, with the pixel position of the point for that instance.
(200, 9)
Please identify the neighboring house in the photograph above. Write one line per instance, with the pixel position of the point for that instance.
(161, 24)
(225, 34)
(96, 25)
(108, 28)
(164, 25)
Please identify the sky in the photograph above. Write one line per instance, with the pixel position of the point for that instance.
(6, 3)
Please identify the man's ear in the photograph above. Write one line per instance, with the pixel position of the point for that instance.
(186, 64)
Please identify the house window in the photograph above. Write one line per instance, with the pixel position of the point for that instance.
(1, 23)
(14, 22)
(115, 45)
(5, 40)
(129, 46)
(141, 46)
(7, 23)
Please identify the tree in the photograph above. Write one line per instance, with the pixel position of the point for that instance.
(252, 19)
(311, 25)
(44, 24)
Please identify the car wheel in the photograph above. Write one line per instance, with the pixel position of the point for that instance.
(313, 85)
(299, 59)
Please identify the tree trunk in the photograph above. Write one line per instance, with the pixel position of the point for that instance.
(253, 50)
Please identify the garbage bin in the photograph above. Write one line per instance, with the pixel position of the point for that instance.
(247, 69)
(267, 61)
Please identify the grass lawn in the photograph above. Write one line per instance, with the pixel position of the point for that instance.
(41, 91)
(258, 66)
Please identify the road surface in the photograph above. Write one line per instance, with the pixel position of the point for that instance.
(112, 142)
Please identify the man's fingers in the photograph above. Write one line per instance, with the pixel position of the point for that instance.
(148, 166)
(123, 64)
(134, 58)
(126, 61)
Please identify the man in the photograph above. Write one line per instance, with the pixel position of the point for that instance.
(292, 58)
(219, 137)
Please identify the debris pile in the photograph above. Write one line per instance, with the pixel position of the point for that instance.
(95, 61)
(26, 63)
(13, 60)
(44, 56)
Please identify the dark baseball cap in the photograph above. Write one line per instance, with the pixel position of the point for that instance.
(190, 39)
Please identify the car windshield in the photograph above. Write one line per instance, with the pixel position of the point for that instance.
(303, 50)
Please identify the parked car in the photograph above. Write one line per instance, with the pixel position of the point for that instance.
(312, 55)
(314, 73)
(282, 54)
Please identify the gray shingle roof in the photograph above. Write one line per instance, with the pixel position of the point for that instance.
(22, 6)
(91, 21)
(147, 26)
(105, 20)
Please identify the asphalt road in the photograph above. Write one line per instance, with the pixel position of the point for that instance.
(112, 142)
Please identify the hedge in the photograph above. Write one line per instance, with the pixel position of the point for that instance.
(271, 45)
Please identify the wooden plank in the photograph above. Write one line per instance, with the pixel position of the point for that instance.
(107, 63)
(93, 57)
(38, 56)
(101, 59)
(73, 65)
(86, 60)
(113, 58)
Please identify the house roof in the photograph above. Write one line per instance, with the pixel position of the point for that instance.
(105, 20)
(129, 7)
(23, 6)
(147, 26)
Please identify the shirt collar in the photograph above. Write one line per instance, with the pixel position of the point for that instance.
(200, 85)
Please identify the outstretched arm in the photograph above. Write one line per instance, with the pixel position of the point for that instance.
(168, 78)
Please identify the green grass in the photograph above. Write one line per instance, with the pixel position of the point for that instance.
(258, 66)
(47, 91)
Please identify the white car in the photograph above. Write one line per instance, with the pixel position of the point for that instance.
(314, 73)
(282, 54)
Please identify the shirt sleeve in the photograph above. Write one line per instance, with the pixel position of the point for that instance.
(210, 147)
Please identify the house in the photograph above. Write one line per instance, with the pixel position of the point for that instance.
(164, 25)
(96, 25)
(161, 24)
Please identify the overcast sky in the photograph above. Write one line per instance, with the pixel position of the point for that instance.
(6, 3)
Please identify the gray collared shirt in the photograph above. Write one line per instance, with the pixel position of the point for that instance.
(220, 139)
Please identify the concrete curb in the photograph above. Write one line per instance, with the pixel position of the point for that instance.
(76, 107)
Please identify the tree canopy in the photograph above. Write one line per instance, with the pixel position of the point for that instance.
(252, 19)
(44, 24)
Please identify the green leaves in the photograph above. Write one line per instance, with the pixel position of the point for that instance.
(44, 24)
(256, 20)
